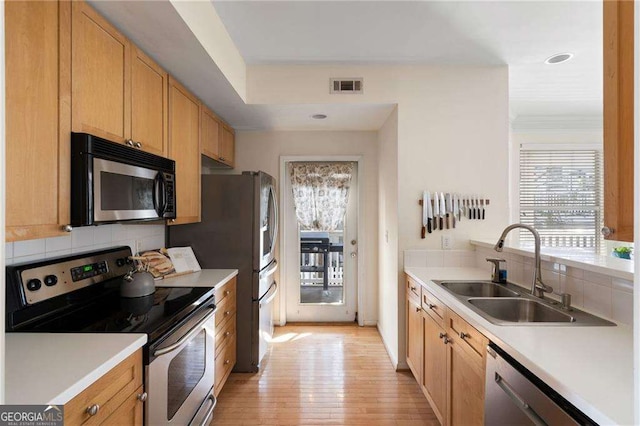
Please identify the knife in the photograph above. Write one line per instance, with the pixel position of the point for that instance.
(449, 210)
(482, 203)
(468, 203)
(436, 210)
(455, 209)
(429, 212)
(477, 207)
(473, 207)
(443, 210)
(425, 213)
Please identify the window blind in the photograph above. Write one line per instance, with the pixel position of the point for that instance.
(561, 195)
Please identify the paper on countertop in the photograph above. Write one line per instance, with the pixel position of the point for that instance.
(184, 260)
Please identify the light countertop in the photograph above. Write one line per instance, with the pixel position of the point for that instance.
(52, 368)
(203, 278)
(592, 367)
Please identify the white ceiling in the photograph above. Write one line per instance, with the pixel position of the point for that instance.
(520, 34)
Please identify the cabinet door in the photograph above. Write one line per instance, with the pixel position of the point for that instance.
(149, 104)
(227, 145)
(100, 76)
(434, 366)
(38, 118)
(618, 116)
(184, 149)
(465, 384)
(414, 338)
(211, 133)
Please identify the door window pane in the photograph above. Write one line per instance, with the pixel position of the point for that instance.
(322, 267)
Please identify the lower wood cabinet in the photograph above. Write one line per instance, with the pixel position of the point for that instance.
(115, 398)
(225, 358)
(447, 356)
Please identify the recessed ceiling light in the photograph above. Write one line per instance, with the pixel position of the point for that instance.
(319, 116)
(558, 58)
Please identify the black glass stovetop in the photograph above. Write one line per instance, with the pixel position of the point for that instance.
(153, 315)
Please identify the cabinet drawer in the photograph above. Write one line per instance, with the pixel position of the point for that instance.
(413, 290)
(433, 306)
(225, 335)
(226, 309)
(227, 290)
(108, 392)
(468, 336)
(225, 361)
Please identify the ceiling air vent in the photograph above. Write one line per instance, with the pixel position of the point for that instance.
(346, 85)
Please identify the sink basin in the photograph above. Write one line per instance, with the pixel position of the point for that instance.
(520, 310)
(478, 289)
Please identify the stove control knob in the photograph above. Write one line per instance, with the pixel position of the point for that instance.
(34, 284)
(120, 262)
(50, 280)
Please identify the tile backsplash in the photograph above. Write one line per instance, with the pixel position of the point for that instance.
(599, 294)
(87, 239)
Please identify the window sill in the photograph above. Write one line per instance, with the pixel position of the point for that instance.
(619, 268)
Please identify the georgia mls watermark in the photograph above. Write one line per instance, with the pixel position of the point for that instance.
(31, 415)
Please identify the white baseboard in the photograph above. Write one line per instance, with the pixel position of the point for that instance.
(393, 359)
(402, 366)
(370, 324)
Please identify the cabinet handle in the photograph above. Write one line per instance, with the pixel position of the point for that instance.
(138, 145)
(228, 361)
(441, 335)
(464, 335)
(227, 292)
(129, 142)
(417, 309)
(227, 313)
(67, 228)
(93, 409)
(172, 220)
(431, 305)
(222, 159)
(142, 397)
(606, 231)
(446, 340)
(413, 288)
(228, 333)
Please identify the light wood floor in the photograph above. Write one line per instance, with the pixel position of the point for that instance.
(331, 375)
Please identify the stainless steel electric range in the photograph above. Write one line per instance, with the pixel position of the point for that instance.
(81, 294)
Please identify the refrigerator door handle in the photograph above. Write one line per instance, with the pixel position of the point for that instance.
(269, 297)
(271, 270)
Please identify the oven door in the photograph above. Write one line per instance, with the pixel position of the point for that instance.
(125, 192)
(181, 375)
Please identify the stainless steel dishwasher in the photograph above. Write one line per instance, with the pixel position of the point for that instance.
(514, 396)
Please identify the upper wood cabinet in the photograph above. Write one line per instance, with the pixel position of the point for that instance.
(101, 74)
(184, 149)
(211, 128)
(618, 119)
(149, 104)
(38, 118)
(228, 145)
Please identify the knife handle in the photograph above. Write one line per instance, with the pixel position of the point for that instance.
(441, 223)
(429, 225)
(483, 214)
(423, 233)
(447, 221)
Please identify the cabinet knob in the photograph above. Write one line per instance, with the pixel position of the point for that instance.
(441, 335)
(431, 305)
(227, 313)
(464, 335)
(446, 340)
(222, 159)
(129, 142)
(142, 397)
(138, 145)
(413, 288)
(172, 221)
(606, 231)
(227, 362)
(67, 228)
(93, 409)
(227, 292)
(417, 309)
(227, 333)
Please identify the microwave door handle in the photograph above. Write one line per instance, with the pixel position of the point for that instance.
(159, 197)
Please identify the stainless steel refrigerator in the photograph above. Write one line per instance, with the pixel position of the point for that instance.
(239, 229)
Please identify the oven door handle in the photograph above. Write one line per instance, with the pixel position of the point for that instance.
(207, 416)
(196, 328)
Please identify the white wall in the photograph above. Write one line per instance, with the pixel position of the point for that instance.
(261, 150)
(453, 136)
(388, 290)
(86, 239)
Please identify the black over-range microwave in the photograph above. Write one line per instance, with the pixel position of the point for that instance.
(111, 183)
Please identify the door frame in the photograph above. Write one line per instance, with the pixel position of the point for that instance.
(284, 216)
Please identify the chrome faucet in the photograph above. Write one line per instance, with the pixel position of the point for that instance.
(538, 288)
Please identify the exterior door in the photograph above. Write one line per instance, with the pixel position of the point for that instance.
(321, 276)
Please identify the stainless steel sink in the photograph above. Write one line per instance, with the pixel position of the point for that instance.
(519, 310)
(478, 289)
(509, 304)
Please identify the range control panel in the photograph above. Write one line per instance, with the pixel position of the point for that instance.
(48, 279)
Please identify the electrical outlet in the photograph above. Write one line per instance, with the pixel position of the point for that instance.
(446, 242)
